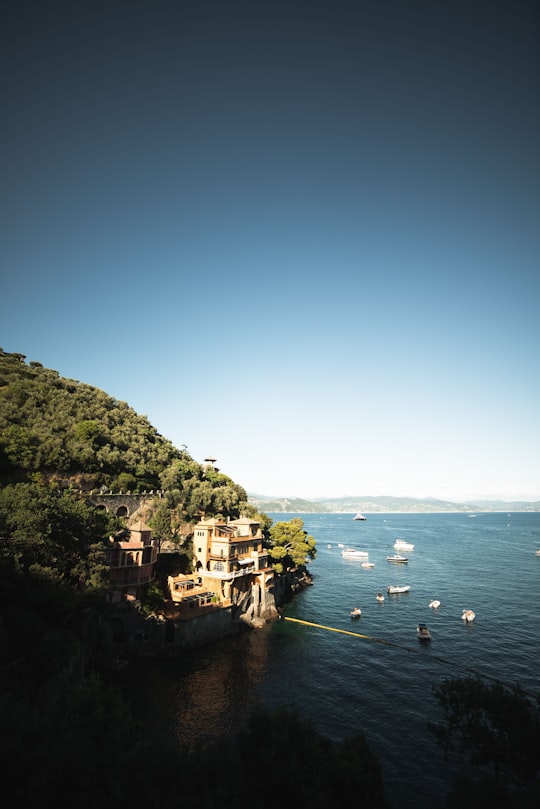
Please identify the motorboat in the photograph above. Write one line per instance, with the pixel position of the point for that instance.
(340, 545)
(359, 516)
(397, 559)
(468, 616)
(352, 553)
(379, 597)
(423, 632)
(398, 588)
(402, 545)
(434, 604)
(356, 613)
(368, 564)
(538, 552)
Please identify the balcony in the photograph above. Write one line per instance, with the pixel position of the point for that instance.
(224, 574)
(135, 575)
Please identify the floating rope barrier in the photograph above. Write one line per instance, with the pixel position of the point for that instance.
(347, 632)
(409, 649)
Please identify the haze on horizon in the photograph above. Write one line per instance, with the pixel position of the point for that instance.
(300, 237)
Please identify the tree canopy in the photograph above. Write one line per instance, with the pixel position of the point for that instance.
(291, 546)
(73, 430)
(49, 530)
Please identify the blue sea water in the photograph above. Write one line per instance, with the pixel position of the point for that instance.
(347, 684)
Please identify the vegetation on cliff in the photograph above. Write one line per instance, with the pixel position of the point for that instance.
(67, 429)
(75, 433)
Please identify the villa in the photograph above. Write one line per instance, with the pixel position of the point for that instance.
(231, 565)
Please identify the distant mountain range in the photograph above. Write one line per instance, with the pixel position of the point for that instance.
(382, 504)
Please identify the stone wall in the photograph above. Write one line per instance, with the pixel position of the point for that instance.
(203, 629)
(122, 504)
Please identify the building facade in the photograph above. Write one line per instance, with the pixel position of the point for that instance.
(132, 562)
(230, 562)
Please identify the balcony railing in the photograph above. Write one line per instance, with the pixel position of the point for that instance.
(224, 574)
(234, 574)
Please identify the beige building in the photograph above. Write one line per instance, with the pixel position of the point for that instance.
(230, 562)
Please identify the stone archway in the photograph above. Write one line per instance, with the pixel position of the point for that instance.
(122, 511)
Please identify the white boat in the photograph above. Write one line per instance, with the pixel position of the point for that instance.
(379, 597)
(538, 552)
(359, 516)
(340, 545)
(397, 559)
(356, 613)
(398, 588)
(352, 553)
(423, 632)
(434, 604)
(468, 616)
(401, 545)
(368, 564)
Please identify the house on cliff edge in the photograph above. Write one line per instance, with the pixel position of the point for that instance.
(231, 563)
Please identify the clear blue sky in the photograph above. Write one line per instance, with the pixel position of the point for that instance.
(301, 237)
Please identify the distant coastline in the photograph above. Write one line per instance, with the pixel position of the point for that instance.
(385, 504)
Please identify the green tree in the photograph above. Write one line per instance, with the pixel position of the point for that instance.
(180, 470)
(125, 482)
(291, 546)
(19, 445)
(45, 525)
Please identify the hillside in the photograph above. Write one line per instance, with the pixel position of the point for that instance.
(70, 432)
(382, 505)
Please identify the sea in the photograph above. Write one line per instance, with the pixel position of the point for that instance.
(374, 677)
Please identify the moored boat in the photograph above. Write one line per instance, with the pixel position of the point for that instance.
(397, 559)
(402, 545)
(379, 597)
(368, 564)
(468, 616)
(359, 516)
(423, 632)
(356, 613)
(434, 604)
(398, 588)
(352, 553)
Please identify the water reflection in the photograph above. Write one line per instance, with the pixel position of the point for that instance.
(213, 690)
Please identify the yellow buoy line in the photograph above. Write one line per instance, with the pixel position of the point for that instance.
(388, 643)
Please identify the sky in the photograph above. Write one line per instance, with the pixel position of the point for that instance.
(301, 237)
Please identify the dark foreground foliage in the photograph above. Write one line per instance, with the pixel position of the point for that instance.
(281, 759)
(79, 742)
(496, 728)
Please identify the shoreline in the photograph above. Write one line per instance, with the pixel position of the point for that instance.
(421, 511)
